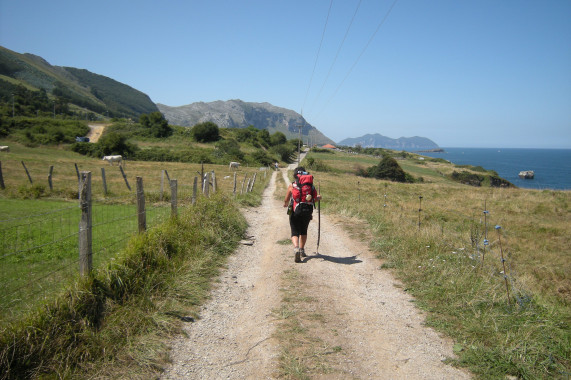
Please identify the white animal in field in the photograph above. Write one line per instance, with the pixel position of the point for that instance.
(112, 159)
(234, 165)
(4, 148)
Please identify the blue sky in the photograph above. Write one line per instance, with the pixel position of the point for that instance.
(464, 73)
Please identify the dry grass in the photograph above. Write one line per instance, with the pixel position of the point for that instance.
(38, 162)
(454, 275)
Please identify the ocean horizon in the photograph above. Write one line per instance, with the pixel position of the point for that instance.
(552, 167)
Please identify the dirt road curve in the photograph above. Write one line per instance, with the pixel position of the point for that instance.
(378, 332)
(95, 131)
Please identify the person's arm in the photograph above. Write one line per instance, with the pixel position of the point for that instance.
(287, 197)
(316, 196)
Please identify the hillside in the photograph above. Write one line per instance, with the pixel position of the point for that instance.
(403, 143)
(37, 85)
(240, 114)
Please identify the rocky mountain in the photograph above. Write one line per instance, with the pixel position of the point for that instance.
(27, 75)
(239, 114)
(403, 143)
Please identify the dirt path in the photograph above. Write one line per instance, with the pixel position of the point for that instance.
(367, 328)
(95, 131)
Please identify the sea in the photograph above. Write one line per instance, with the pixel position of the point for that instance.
(552, 167)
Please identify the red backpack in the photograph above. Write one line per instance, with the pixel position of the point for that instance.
(303, 194)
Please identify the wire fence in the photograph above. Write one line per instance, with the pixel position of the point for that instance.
(41, 252)
(475, 241)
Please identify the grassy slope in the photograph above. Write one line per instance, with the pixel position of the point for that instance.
(441, 262)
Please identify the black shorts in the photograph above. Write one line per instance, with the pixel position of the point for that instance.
(299, 224)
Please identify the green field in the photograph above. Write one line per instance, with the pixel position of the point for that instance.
(39, 250)
(39, 227)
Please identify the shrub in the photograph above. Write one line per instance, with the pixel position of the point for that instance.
(285, 152)
(206, 132)
(389, 169)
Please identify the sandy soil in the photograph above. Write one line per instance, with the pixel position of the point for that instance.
(95, 131)
(364, 310)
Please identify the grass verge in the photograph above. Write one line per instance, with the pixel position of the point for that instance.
(307, 348)
(116, 322)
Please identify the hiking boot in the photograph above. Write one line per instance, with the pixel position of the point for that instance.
(297, 255)
(302, 252)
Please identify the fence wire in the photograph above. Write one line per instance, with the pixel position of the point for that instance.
(39, 253)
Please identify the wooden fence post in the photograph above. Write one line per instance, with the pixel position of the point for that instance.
(248, 185)
(104, 181)
(253, 182)
(162, 184)
(142, 217)
(85, 225)
(194, 188)
(77, 172)
(234, 191)
(124, 177)
(206, 185)
(27, 172)
(243, 182)
(1, 178)
(174, 186)
(50, 177)
(213, 175)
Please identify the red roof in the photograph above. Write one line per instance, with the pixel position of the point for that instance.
(328, 146)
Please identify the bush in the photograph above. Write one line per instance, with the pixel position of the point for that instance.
(261, 157)
(206, 132)
(285, 152)
(467, 178)
(389, 169)
(316, 165)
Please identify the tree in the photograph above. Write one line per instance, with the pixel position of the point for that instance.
(206, 132)
(278, 138)
(156, 123)
(263, 137)
(389, 169)
(114, 143)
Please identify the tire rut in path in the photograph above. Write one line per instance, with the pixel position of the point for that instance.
(378, 332)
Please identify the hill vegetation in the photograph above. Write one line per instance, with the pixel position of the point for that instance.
(30, 86)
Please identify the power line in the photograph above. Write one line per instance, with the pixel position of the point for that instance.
(317, 56)
(360, 55)
(337, 54)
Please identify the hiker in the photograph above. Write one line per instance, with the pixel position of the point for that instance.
(300, 200)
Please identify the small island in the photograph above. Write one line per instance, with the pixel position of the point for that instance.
(526, 174)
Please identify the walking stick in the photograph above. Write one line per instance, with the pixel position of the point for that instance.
(318, 217)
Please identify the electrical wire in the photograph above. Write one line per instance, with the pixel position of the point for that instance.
(360, 55)
(337, 54)
(317, 56)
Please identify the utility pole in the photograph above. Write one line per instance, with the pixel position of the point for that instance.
(299, 146)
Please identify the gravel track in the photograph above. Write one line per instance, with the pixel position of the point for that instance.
(364, 310)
